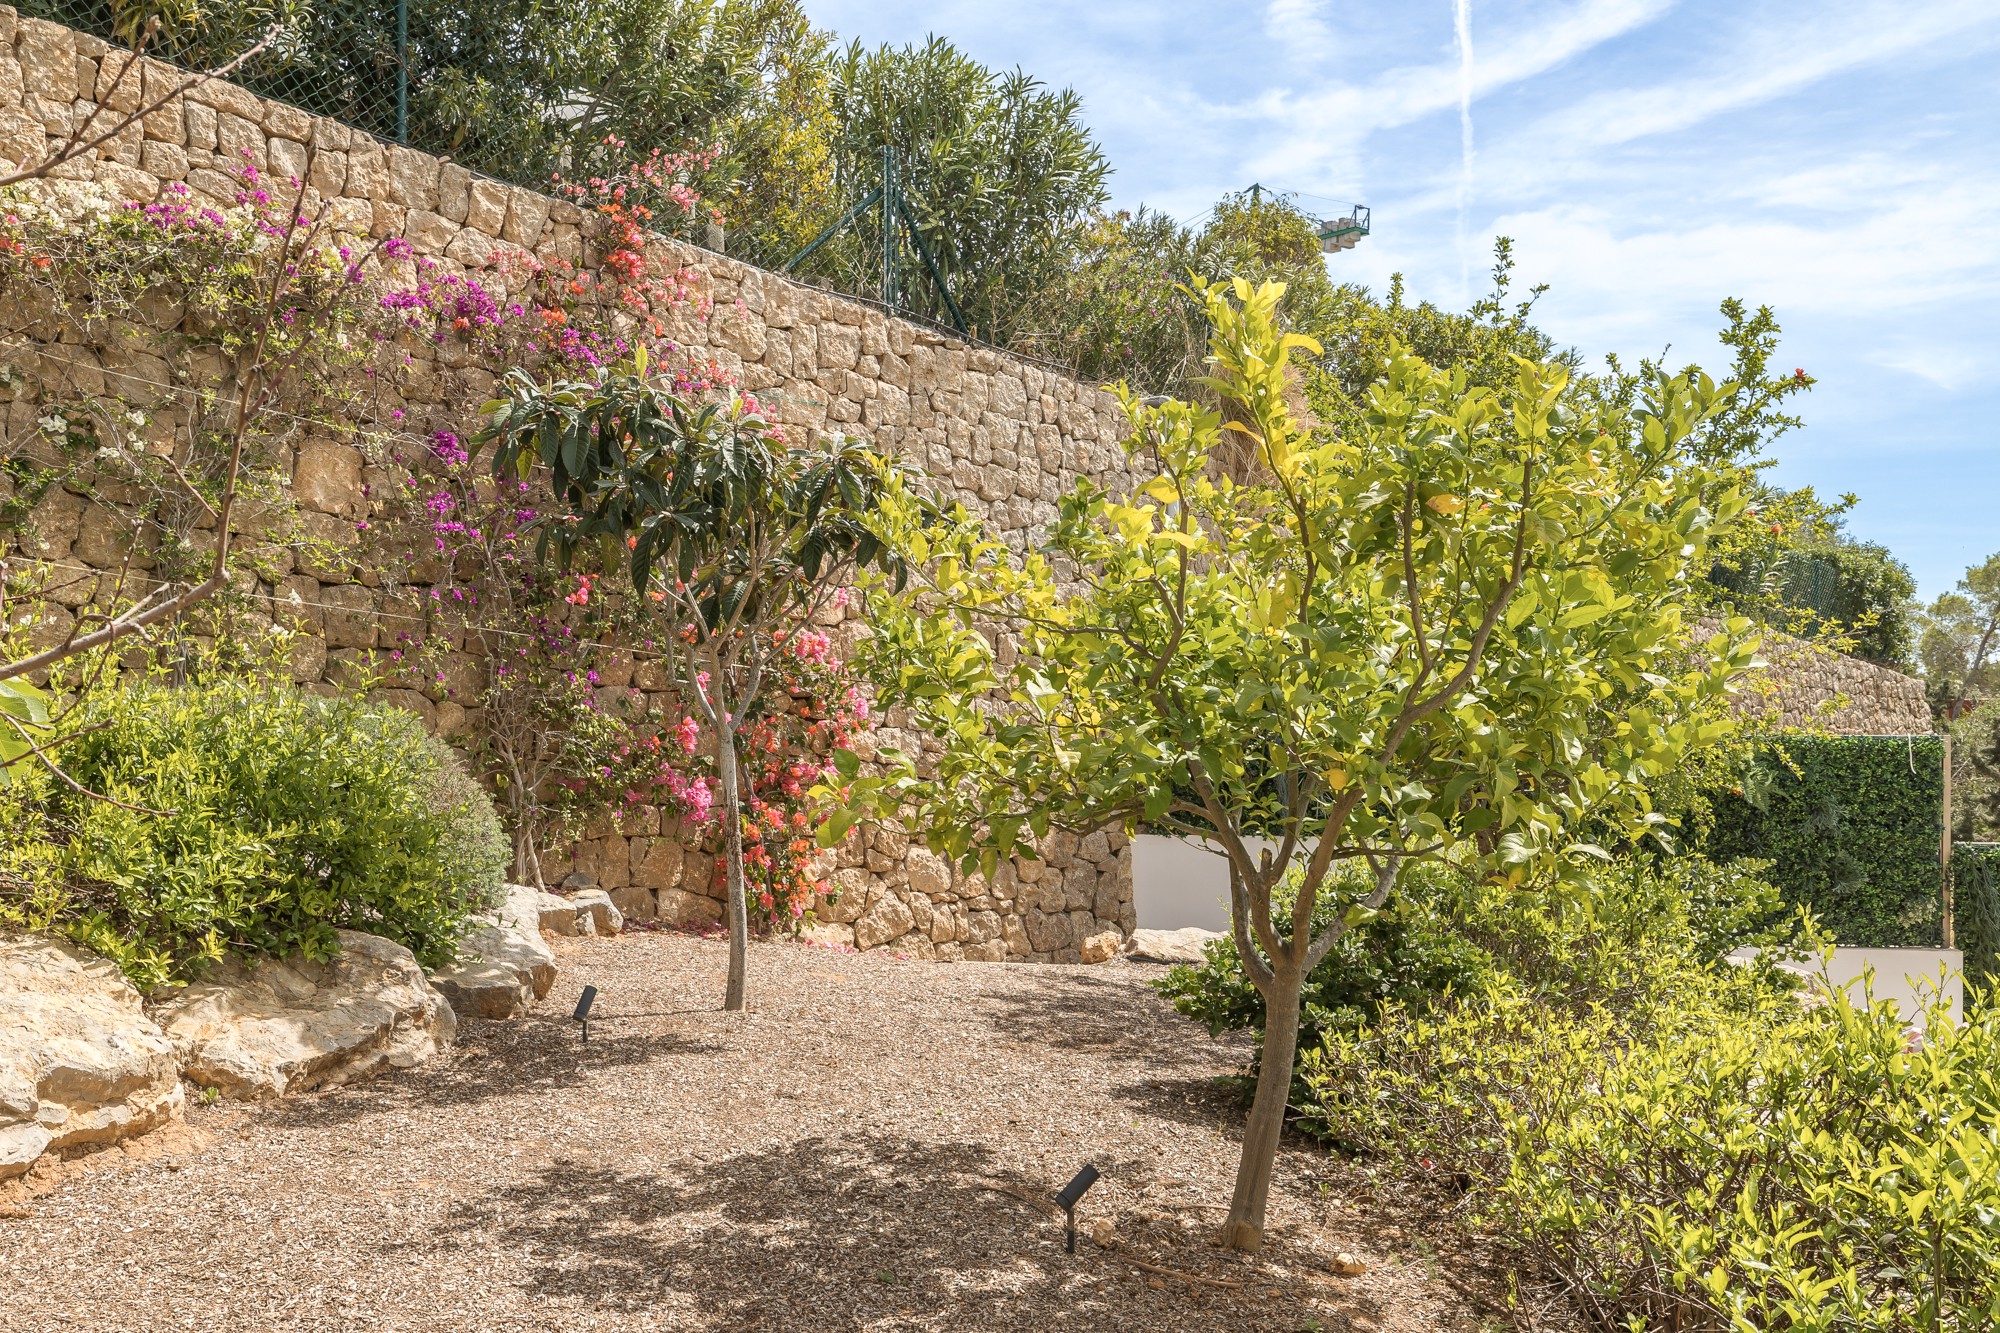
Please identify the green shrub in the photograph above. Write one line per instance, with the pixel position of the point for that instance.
(1406, 955)
(1851, 827)
(257, 822)
(1713, 1157)
(1443, 935)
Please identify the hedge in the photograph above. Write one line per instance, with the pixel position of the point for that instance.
(1851, 826)
(1975, 897)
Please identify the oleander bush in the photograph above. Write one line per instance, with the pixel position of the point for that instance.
(231, 819)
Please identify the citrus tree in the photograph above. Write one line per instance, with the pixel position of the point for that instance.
(730, 539)
(1456, 630)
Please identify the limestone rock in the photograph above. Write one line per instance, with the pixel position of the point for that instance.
(504, 964)
(596, 906)
(883, 922)
(80, 1062)
(292, 1025)
(1170, 946)
(558, 915)
(1101, 947)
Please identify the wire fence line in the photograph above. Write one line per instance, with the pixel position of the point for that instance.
(1102, 300)
(351, 61)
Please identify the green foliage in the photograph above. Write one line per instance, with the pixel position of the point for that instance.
(1851, 826)
(520, 88)
(1832, 587)
(1975, 896)
(1360, 333)
(256, 823)
(1407, 955)
(1295, 655)
(734, 540)
(1000, 171)
(1445, 934)
(1960, 640)
(1320, 627)
(1707, 1156)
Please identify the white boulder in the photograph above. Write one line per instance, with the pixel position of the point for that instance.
(80, 1062)
(292, 1025)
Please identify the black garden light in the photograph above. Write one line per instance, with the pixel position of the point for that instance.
(1072, 1194)
(582, 1014)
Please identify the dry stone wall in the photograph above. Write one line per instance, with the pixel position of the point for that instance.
(1006, 435)
(1803, 686)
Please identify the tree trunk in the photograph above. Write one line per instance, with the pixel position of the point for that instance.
(1244, 1229)
(739, 908)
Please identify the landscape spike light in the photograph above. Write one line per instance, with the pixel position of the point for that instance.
(1071, 1194)
(582, 1014)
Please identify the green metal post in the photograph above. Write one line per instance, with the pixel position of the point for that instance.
(889, 225)
(403, 72)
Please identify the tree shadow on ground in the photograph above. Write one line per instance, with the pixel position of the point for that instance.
(493, 1059)
(1203, 1102)
(1079, 1012)
(851, 1232)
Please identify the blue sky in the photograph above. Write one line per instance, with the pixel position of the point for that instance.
(1837, 160)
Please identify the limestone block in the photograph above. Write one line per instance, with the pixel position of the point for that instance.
(1014, 934)
(327, 478)
(292, 1025)
(681, 908)
(288, 161)
(1113, 892)
(413, 178)
(454, 191)
(118, 84)
(1047, 931)
(503, 964)
(595, 906)
(48, 59)
(167, 161)
(635, 903)
(656, 863)
(486, 206)
(471, 247)
(429, 232)
(1101, 947)
(348, 617)
(240, 141)
(367, 172)
(1170, 946)
(527, 214)
(80, 1062)
(887, 920)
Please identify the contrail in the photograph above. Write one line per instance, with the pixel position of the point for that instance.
(1462, 25)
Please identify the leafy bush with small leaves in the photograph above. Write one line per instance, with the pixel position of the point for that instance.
(1714, 1157)
(1444, 935)
(258, 822)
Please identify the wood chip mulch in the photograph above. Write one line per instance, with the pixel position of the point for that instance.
(872, 1146)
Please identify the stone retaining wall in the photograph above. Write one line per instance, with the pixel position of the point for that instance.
(1804, 686)
(1007, 436)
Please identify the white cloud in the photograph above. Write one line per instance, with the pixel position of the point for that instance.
(1324, 128)
(1299, 28)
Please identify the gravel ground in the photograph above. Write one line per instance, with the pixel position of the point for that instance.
(868, 1148)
